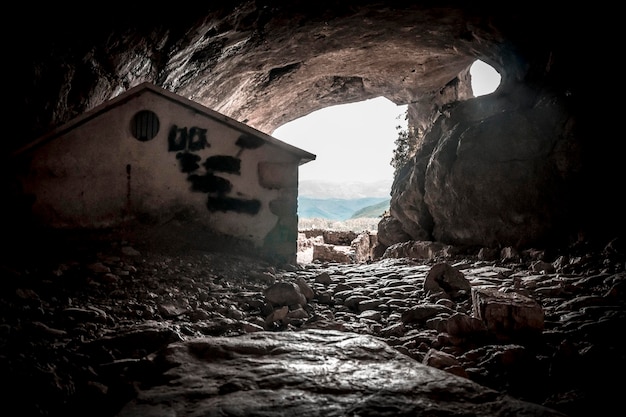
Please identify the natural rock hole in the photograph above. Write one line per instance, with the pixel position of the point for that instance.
(354, 143)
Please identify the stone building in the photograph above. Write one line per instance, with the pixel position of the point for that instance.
(149, 156)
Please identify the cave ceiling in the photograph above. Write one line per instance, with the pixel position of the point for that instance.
(266, 63)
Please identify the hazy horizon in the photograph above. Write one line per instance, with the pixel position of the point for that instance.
(344, 189)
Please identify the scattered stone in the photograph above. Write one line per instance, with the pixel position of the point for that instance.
(507, 315)
(447, 280)
(130, 251)
(284, 294)
(72, 343)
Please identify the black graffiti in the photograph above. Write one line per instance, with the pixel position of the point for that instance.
(188, 161)
(197, 139)
(182, 139)
(177, 139)
(185, 141)
(223, 163)
(238, 205)
(249, 142)
(209, 183)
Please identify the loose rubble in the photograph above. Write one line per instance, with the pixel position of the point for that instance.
(83, 326)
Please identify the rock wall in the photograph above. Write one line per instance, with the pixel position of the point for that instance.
(492, 172)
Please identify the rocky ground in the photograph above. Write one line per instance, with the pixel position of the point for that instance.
(82, 320)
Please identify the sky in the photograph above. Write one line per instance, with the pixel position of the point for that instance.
(352, 142)
(485, 79)
(355, 142)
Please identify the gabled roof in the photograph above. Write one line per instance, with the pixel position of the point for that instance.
(303, 155)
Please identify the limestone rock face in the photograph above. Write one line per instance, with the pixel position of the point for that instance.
(496, 179)
(531, 164)
(262, 63)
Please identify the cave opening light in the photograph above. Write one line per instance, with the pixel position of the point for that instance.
(485, 78)
(354, 144)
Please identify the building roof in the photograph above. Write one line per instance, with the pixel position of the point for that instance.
(303, 155)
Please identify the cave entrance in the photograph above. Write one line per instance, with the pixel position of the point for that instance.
(348, 186)
(485, 78)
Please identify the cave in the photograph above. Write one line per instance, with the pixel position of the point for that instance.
(529, 165)
(530, 173)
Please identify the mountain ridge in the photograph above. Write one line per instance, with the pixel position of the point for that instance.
(374, 210)
(325, 189)
(337, 208)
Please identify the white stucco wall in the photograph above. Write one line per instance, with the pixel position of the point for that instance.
(80, 178)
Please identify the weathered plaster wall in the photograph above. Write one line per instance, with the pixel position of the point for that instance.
(99, 175)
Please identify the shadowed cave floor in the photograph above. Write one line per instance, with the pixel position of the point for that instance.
(85, 317)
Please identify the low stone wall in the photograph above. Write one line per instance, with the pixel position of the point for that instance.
(335, 246)
(332, 237)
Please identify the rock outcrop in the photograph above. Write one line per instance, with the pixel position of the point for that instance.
(314, 373)
(495, 171)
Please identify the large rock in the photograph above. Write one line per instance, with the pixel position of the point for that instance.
(507, 315)
(447, 280)
(492, 172)
(502, 180)
(310, 373)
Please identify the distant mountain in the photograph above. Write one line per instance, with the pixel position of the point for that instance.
(375, 210)
(344, 190)
(337, 208)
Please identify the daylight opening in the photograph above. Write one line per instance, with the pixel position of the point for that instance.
(348, 186)
(485, 79)
(352, 173)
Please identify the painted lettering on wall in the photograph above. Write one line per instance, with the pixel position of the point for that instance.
(192, 139)
(209, 183)
(185, 141)
(248, 142)
(239, 205)
(188, 162)
(223, 163)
